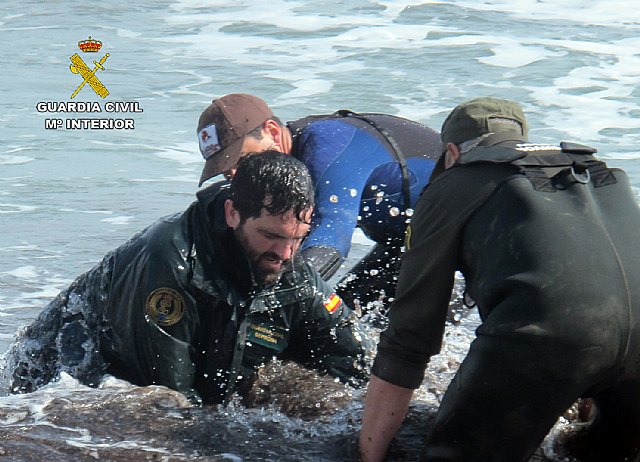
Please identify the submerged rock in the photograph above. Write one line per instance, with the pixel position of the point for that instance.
(298, 392)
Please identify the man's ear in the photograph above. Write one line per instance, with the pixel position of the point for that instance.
(451, 156)
(275, 132)
(231, 215)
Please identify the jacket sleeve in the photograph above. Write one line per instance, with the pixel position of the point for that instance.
(434, 245)
(152, 313)
(330, 338)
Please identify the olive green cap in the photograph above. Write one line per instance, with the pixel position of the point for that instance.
(484, 115)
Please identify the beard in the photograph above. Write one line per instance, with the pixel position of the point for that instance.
(266, 267)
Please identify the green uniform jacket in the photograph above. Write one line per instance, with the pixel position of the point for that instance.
(546, 238)
(176, 306)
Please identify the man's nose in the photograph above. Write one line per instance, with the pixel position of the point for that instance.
(286, 249)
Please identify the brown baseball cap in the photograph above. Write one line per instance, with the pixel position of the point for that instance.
(222, 128)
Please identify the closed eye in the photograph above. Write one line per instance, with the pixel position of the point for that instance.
(276, 236)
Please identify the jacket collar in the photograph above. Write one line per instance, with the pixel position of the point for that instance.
(221, 266)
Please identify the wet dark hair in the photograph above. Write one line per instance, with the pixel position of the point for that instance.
(272, 180)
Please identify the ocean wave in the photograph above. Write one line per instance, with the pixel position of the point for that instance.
(6, 209)
(15, 160)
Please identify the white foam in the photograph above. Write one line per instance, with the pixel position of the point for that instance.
(389, 36)
(232, 457)
(22, 248)
(126, 33)
(121, 220)
(11, 150)
(393, 8)
(185, 153)
(13, 16)
(611, 12)
(310, 87)
(513, 54)
(15, 160)
(6, 209)
(46, 292)
(24, 272)
(191, 178)
(280, 13)
(90, 212)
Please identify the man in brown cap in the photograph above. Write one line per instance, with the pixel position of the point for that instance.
(227, 129)
(368, 171)
(546, 238)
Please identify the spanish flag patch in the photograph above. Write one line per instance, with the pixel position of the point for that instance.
(332, 303)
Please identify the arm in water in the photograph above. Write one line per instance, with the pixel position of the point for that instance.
(385, 408)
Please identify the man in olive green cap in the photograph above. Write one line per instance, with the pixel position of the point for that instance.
(546, 238)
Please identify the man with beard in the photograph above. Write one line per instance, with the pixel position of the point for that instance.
(199, 300)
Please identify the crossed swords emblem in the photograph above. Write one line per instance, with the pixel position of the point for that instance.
(88, 75)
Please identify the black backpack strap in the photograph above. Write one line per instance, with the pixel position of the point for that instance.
(394, 147)
(573, 162)
(595, 172)
(539, 178)
(601, 175)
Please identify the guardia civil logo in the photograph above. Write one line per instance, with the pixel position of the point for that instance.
(88, 83)
(78, 66)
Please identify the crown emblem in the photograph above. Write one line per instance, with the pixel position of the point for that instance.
(90, 46)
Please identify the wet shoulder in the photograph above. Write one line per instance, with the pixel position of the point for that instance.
(167, 235)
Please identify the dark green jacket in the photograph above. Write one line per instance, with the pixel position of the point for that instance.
(546, 238)
(176, 306)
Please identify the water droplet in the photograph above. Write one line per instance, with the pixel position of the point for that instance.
(409, 212)
(333, 198)
(394, 211)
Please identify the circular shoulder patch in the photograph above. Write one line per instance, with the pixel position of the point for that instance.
(165, 306)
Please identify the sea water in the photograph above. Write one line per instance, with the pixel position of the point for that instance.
(68, 195)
